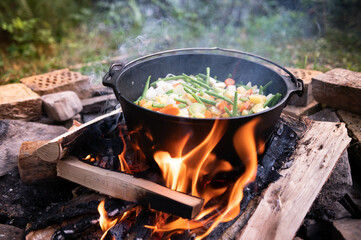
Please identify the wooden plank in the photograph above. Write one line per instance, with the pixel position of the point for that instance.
(339, 88)
(17, 101)
(57, 148)
(129, 188)
(286, 202)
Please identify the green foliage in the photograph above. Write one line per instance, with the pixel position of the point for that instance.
(42, 35)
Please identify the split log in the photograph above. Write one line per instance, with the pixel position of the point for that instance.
(31, 168)
(286, 202)
(58, 147)
(129, 188)
(339, 88)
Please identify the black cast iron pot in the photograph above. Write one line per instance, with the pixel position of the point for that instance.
(156, 130)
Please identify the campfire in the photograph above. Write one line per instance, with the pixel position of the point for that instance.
(263, 191)
(188, 195)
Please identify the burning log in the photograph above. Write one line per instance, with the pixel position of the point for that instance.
(59, 146)
(129, 188)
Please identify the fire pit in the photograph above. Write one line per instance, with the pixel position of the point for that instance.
(151, 224)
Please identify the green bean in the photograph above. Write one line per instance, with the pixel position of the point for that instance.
(146, 86)
(169, 91)
(235, 101)
(227, 111)
(219, 96)
(158, 105)
(180, 100)
(272, 100)
(196, 81)
(182, 105)
(193, 95)
(208, 75)
(189, 87)
(205, 100)
(166, 79)
(243, 99)
(263, 88)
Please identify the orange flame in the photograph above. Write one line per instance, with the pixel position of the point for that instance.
(124, 167)
(105, 222)
(189, 173)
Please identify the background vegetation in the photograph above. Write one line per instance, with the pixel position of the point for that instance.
(37, 36)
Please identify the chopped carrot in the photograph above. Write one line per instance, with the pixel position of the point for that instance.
(142, 102)
(222, 105)
(156, 109)
(245, 105)
(170, 109)
(229, 81)
(249, 91)
(207, 114)
(175, 84)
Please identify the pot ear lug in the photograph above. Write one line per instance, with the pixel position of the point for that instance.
(114, 68)
(300, 87)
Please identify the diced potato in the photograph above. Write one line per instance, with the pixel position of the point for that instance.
(198, 115)
(258, 107)
(225, 115)
(245, 112)
(162, 98)
(183, 112)
(229, 94)
(148, 104)
(215, 111)
(256, 98)
(219, 85)
(241, 90)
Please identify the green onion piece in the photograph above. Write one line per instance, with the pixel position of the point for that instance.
(146, 86)
(269, 101)
(189, 87)
(275, 100)
(208, 70)
(182, 105)
(235, 101)
(266, 86)
(180, 100)
(272, 100)
(193, 95)
(220, 96)
(202, 75)
(250, 112)
(227, 111)
(166, 79)
(243, 99)
(196, 81)
(158, 105)
(205, 100)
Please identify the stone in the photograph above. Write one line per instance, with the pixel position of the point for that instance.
(338, 88)
(353, 123)
(14, 132)
(10, 232)
(99, 103)
(17, 101)
(62, 106)
(59, 81)
(297, 112)
(350, 229)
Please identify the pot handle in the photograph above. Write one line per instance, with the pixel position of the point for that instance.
(108, 79)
